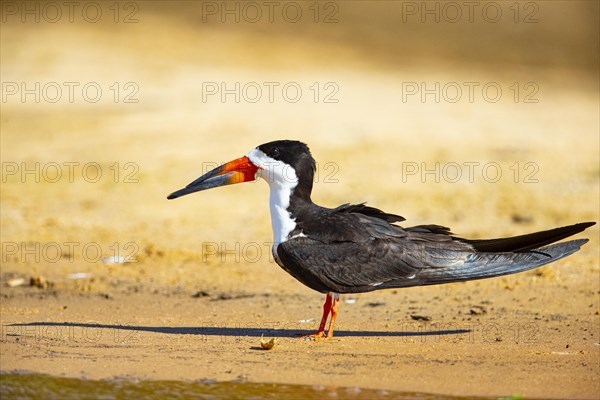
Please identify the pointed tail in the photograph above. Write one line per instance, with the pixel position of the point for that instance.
(483, 265)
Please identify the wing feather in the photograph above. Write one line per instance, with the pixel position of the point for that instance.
(355, 248)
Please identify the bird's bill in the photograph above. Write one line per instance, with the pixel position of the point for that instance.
(236, 171)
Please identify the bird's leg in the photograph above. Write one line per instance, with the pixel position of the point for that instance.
(335, 307)
(332, 305)
(326, 310)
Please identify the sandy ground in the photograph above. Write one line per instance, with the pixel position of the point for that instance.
(201, 288)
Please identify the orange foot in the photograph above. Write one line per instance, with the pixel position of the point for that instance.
(316, 336)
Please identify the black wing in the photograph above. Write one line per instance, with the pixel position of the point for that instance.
(350, 251)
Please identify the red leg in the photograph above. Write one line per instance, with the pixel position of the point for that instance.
(331, 306)
(335, 307)
(326, 311)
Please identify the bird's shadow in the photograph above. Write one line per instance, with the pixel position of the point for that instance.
(240, 331)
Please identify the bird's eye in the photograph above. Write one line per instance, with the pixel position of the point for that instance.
(275, 152)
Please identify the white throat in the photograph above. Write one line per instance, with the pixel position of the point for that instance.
(282, 180)
(281, 221)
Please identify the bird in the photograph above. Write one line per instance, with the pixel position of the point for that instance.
(356, 248)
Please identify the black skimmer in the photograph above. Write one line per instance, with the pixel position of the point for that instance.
(355, 248)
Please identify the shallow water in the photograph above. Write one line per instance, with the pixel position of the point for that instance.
(15, 385)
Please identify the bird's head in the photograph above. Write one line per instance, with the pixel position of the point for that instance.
(282, 163)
